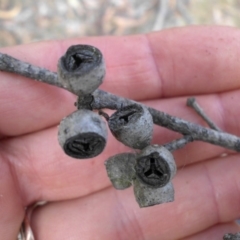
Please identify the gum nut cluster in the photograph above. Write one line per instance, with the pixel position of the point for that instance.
(82, 134)
(132, 125)
(150, 172)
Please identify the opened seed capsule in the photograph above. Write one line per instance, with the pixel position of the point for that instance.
(155, 166)
(83, 134)
(82, 69)
(132, 125)
(146, 196)
(120, 169)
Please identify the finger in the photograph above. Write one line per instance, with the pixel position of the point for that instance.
(57, 176)
(45, 172)
(209, 60)
(157, 65)
(32, 107)
(216, 232)
(11, 207)
(205, 195)
(196, 60)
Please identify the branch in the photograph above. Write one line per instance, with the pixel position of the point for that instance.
(102, 99)
(191, 102)
(13, 65)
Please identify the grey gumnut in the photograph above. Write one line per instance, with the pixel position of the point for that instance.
(82, 69)
(132, 125)
(82, 134)
(120, 169)
(146, 196)
(155, 166)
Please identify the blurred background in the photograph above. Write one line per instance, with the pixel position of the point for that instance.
(24, 21)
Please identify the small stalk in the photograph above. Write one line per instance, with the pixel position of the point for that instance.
(191, 102)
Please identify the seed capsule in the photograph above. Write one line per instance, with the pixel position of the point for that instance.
(146, 196)
(83, 134)
(82, 69)
(120, 169)
(132, 125)
(155, 166)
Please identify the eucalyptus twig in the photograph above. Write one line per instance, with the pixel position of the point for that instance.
(102, 99)
(191, 102)
(178, 143)
(13, 65)
(104, 114)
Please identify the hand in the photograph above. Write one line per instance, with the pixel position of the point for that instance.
(161, 69)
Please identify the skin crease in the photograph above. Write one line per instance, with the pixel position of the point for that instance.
(160, 69)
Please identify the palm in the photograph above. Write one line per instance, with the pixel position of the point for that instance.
(161, 71)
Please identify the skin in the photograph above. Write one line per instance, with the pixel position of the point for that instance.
(160, 69)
